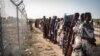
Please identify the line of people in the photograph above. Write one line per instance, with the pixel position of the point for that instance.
(75, 36)
(50, 28)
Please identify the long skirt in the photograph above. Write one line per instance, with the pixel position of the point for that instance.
(87, 47)
(77, 47)
(60, 39)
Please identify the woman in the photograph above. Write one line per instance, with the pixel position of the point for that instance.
(88, 38)
(77, 46)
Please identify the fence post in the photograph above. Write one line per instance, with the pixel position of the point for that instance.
(18, 29)
(18, 24)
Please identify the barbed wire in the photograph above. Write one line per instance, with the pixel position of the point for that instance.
(16, 2)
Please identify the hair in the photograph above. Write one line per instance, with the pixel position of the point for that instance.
(82, 17)
(44, 18)
(49, 17)
(55, 17)
(88, 16)
(76, 15)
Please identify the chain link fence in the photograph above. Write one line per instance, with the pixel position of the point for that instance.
(13, 27)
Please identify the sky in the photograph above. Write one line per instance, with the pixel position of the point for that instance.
(40, 8)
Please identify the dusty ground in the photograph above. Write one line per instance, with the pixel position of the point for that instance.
(42, 47)
(97, 34)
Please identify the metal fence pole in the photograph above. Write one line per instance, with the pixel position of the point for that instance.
(18, 29)
(18, 24)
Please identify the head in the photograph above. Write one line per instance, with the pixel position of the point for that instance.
(82, 17)
(62, 19)
(50, 18)
(76, 16)
(54, 17)
(44, 18)
(88, 16)
(58, 19)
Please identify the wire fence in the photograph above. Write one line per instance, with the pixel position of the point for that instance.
(13, 27)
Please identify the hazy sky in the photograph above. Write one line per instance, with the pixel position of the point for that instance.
(39, 8)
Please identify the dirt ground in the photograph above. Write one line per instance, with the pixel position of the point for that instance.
(42, 47)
